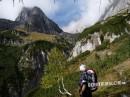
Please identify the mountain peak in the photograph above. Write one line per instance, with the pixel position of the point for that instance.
(34, 19)
(36, 9)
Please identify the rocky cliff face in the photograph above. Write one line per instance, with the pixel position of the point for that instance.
(115, 7)
(34, 63)
(23, 72)
(91, 44)
(33, 19)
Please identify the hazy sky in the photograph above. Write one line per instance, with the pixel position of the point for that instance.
(69, 15)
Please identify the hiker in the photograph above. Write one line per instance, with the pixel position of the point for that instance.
(87, 76)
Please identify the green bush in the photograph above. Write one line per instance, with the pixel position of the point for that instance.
(103, 46)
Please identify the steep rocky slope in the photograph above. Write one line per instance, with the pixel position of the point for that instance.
(103, 32)
(115, 7)
(23, 60)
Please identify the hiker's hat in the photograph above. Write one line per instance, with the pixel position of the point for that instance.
(82, 67)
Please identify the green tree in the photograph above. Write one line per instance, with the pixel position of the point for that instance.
(55, 67)
(57, 62)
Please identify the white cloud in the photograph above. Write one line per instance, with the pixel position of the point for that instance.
(8, 11)
(91, 10)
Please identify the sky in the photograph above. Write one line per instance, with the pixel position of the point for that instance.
(71, 16)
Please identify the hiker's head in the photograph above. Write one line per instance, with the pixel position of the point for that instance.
(82, 67)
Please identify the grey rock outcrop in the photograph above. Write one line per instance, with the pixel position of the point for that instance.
(7, 24)
(31, 66)
(91, 44)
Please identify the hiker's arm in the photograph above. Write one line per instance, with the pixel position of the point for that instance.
(82, 89)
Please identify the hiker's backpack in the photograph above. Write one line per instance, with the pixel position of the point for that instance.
(91, 78)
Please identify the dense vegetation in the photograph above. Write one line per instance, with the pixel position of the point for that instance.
(9, 73)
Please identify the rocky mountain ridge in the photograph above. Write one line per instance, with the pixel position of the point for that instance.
(33, 19)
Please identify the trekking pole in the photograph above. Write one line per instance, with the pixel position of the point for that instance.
(65, 91)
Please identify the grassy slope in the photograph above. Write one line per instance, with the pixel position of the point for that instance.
(105, 65)
(114, 74)
(115, 24)
(34, 36)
